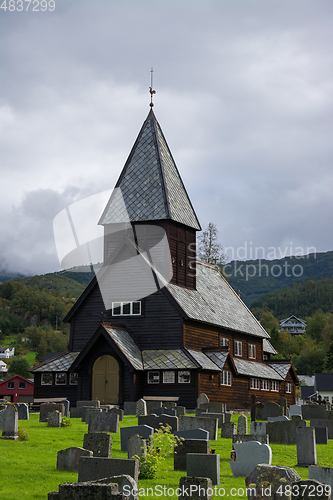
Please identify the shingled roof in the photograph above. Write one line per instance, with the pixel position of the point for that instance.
(150, 187)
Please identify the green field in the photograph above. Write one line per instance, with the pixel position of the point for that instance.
(28, 468)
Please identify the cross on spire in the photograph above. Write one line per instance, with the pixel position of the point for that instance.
(151, 88)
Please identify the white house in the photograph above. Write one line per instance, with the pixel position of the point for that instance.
(3, 367)
(7, 352)
(293, 325)
(323, 386)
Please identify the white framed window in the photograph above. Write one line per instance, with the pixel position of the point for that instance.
(225, 377)
(46, 379)
(126, 308)
(252, 351)
(73, 378)
(255, 383)
(224, 342)
(265, 385)
(60, 378)
(288, 387)
(169, 377)
(274, 386)
(184, 377)
(238, 348)
(153, 377)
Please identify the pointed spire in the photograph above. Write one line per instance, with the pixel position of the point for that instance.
(150, 187)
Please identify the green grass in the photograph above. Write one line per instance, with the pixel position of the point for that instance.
(28, 468)
(31, 357)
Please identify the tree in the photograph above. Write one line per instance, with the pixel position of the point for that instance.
(210, 249)
(19, 366)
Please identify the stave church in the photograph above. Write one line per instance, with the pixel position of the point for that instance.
(155, 322)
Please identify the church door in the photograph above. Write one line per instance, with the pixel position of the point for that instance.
(105, 380)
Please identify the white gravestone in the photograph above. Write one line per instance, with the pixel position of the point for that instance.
(248, 456)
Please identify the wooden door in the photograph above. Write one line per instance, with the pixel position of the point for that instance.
(105, 380)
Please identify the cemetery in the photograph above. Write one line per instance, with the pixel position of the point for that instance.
(94, 456)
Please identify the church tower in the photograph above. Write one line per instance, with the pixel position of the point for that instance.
(150, 192)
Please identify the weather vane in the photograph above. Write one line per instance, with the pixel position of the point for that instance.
(151, 88)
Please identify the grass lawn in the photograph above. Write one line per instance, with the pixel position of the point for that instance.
(28, 468)
(30, 357)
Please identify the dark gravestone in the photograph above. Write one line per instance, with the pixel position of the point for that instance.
(273, 478)
(309, 489)
(188, 446)
(68, 459)
(91, 469)
(47, 408)
(270, 409)
(165, 411)
(195, 488)
(254, 405)
(193, 434)
(144, 431)
(323, 422)
(100, 443)
(284, 432)
(117, 411)
(321, 435)
(311, 411)
(130, 408)
(103, 422)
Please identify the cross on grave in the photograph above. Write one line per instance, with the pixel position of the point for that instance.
(320, 400)
(254, 405)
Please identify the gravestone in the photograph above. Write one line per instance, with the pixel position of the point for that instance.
(242, 425)
(150, 405)
(2, 416)
(228, 430)
(321, 474)
(76, 412)
(220, 417)
(209, 424)
(91, 469)
(284, 432)
(180, 411)
(258, 428)
(309, 489)
(202, 399)
(295, 410)
(165, 411)
(321, 435)
(195, 488)
(156, 421)
(117, 411)
(282, 418)
(193, 434)
(283, 402)
(95, 403)
(135, 446)
(188, 446)
(87, 411)
(100, 443)
(46, 408)
(54, 419)
(10, 423)
(103, 422)
(201, 465)
(130, 408)
(23, 411)
(67, 405)
(323, 422)
(68, 459)
(313, 410)
(245, 438)
(255, 406)
(199, 411)
(143, 430)
(270, 409)
(306, 446)
(126, 485)
(86, 491)
(141, 408)
(213, 407)
(248, 456)
(268, 479)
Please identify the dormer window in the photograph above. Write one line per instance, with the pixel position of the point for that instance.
(238, 348)
(126, 308)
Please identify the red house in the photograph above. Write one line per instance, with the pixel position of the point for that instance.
(17, 389)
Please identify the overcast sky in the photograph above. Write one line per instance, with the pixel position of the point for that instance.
(244, 98)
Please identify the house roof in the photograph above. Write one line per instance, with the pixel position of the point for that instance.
(150, 187)
(267, 347)
(59, 363)
(324, 382)
(292, 317)
(307, 391)
(126, 345)
(167, 360)
(15, 377)
(256, 369)
(215, 302)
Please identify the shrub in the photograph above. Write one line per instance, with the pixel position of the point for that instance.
(66, 422)
(23, 435)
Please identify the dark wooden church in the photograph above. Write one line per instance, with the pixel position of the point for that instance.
(155, 321)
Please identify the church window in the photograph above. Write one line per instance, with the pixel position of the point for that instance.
(153, 377)
(252, 351)
(169, 377)
(275, 386)
(73, 378)
(184, 377)
(46, 379)
(255, 383)
(60, 379)
(224, 342)
(126, 308)
(265, 385)
(238, 348)
(288, 387)
(225, 377)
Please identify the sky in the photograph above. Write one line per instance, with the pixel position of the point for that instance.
(243, 96)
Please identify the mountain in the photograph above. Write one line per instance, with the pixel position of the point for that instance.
(253, 278)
